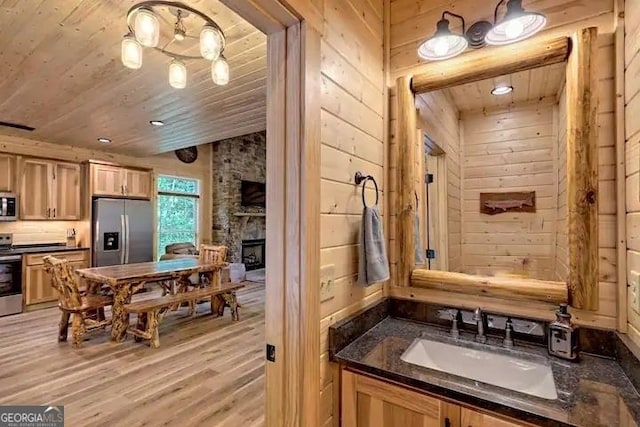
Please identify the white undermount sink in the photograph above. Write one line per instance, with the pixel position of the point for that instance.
(501, 370)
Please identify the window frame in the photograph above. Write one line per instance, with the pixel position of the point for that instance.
(196, 196)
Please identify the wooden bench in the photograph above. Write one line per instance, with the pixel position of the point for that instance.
(150, 312)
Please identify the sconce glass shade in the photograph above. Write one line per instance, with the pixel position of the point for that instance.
(177, 74)
(443, 44)
(131, 52)
(516, 25)
(147, 27)
(220, 71)
(211, 42)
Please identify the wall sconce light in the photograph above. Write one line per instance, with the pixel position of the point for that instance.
(516, 25)
(444, 44)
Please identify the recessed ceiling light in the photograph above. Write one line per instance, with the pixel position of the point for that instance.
(501, 90)
(157, 122)
(105, 140)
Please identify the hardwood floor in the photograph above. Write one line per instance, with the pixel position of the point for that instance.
(207, 372)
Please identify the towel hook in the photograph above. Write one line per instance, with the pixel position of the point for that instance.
(360, 178)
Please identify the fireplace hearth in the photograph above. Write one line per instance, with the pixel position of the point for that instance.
(253, 254)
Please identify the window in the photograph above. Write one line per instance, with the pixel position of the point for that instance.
(177, 211)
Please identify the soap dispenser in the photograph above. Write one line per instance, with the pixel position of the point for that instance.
(563, 336)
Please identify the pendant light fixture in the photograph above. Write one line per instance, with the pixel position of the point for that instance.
(143, 22)
(131, 52)
(444, 44)
(211, 42)
(177, 74)
(220, 71)
(147, 27)
(516, 25)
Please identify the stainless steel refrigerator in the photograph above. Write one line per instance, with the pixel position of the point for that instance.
(122, 231)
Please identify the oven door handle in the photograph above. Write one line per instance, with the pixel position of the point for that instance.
(10, 258)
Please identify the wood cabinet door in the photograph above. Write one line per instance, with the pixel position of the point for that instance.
(137, 183)
(368, 402)
(35, 189)
(38, 286)
(471, 418)
(67, 191)
(37, 283)
(107, 180)
(7, 171)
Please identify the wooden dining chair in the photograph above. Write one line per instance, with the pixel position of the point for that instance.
(72, 302)
(215, 254)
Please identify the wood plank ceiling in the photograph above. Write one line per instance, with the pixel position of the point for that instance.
(536, 85)
(62, 74)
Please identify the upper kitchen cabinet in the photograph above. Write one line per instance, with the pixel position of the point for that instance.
(116, 181)
(49, 190)
(7, 171)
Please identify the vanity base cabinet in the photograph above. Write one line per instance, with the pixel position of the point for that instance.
(370, 402)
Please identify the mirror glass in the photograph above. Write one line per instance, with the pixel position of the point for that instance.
(493, 201)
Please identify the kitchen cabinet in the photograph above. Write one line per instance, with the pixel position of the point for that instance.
(371, 402)
(36, 282)
(49, 190)
(116, 181)
(7, 172)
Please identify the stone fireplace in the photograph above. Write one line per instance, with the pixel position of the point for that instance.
(238, 159)
(253, 254)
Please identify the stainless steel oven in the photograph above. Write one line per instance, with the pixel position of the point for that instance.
(10, 284)
(8, 207)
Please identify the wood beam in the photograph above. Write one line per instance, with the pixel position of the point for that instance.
(405, 199)
(484, 64)
(497, 287)
(582, 169)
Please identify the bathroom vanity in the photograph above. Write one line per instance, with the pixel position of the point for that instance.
(385, 381)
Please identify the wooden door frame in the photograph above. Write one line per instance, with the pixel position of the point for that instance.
(292, 325)
(582, 289)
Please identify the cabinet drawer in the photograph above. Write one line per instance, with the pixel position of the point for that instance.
(72, 256)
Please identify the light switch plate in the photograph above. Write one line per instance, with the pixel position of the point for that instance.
(634, 285)
(327, 276)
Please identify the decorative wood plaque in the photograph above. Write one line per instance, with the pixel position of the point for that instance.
(496, 203)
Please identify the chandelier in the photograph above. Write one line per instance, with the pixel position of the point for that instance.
(144, 20)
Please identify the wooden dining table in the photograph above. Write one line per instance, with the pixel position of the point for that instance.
(125, 280)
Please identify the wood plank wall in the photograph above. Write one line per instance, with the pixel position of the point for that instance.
(632, 152)
(561, 264)
(510, 150)
(440, 117)
(412, 21)
(55, 231)
(353, 139)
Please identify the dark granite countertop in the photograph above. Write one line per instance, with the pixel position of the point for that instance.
(36, 249)
(592, 393)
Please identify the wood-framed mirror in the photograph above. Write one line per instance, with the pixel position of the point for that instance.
(532, 236)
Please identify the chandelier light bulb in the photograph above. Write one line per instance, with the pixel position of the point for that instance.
(147, 27)
(211, 42)
(220, 71)
(131, 52)
(177, 74)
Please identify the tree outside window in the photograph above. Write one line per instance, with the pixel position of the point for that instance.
(177, 211)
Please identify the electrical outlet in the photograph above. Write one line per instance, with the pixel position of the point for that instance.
(634, 287)
(327, 274)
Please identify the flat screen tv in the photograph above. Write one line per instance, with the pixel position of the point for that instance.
(253, 194)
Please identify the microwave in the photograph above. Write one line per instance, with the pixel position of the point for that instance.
(8, 207)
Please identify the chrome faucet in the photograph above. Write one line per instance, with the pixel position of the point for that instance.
(481, 320)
